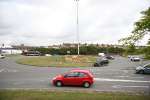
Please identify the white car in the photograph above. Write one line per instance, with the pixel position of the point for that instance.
(135, 58)
(48, 55)
(2, 56)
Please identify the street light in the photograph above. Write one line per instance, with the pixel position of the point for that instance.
(77, 27)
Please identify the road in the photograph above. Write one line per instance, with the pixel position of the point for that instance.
(118, 76)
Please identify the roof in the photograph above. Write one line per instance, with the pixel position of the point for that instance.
(80, 70)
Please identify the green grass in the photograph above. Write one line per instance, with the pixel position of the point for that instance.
(58, 61)
(49, 95)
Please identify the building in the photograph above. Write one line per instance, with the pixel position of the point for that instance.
(69, 45)
(9, 50)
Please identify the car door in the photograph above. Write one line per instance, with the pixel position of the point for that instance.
(147, 69)
(70, 78)
(81, 78)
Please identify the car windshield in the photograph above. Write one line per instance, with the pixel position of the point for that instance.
(147, 65)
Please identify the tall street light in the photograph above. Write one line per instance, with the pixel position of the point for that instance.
(77, 27)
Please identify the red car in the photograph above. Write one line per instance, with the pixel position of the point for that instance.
(74, 77)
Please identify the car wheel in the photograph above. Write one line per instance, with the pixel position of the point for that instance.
(58, 83)
(102, 63)
(86, 84)
(141, 72)
(96, 65)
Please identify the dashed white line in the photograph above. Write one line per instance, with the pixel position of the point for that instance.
(8, 70)
(125, 86)
(129, 77)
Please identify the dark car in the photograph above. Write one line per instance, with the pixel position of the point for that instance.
(145, 69)
(110, 57)
(75, 77)
(101, 61)
(2, 56)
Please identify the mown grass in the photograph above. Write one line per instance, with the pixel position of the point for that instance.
(58, 61)
(49, 95)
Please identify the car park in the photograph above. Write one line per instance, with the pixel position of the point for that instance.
(2, 56)
(101, 61)
(145, 69)
(74, 77)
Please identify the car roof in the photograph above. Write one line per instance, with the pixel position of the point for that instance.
(80, 70)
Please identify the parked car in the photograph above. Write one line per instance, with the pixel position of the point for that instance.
(135, 58)
(2, 56)
(129, 56)
(74, 77)
(101, 61)
(110, 57)
(145, 69)
(48, 55)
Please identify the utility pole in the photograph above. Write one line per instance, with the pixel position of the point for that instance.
(77, 27)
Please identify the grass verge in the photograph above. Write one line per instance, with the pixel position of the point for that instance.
(49, 95)
(58, 61)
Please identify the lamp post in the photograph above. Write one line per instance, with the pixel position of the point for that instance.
(77, 27)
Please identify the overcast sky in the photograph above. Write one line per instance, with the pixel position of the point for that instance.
(45, 22)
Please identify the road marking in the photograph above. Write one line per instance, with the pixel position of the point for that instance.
(124, 86)
(8, 70)
(125, 71)
(129, 77)
(18, 83)
(120, 80)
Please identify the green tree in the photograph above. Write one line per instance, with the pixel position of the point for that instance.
(131, 49)
(142, 27)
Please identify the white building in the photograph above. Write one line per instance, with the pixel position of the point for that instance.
(9, 50)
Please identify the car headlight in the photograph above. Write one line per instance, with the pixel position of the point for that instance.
(54, 78)
(139, 68)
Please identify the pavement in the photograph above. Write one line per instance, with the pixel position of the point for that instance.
(118, 76)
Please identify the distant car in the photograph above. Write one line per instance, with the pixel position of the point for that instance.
(145, 69)
(101, 61)
(101, 54)
(74, 77)
(2, 56)
(48, 55)
(110, 57)
(135, 58)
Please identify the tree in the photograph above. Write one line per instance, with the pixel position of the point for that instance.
(131, 49)
(142, 27)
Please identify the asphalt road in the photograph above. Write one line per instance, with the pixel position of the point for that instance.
(118, 76)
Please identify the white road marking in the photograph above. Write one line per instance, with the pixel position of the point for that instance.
(18, 83)
(120, 80)
(125, 71)
(129, 77)
(122, 76)
(42, 80)
(125, 86)
(8, 70)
